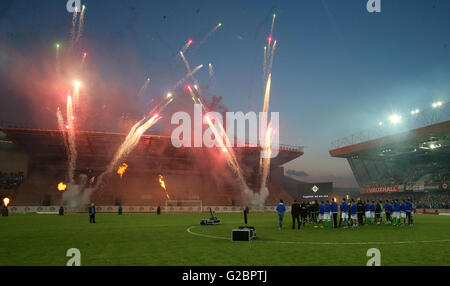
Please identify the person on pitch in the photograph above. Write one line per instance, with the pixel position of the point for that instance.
(295, 211)
(281, 209)
(92, 213)
(334, 212)
(344, 213)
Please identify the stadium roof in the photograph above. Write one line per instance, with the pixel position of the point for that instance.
(95, 149)
(421, 141)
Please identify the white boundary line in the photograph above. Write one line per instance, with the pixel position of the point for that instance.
(322, 243)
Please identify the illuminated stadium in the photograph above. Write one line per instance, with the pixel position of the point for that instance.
(186, 175)
(411, 161)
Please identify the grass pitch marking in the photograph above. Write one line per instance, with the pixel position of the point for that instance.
(321, 243)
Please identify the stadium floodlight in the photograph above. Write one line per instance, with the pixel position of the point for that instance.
(437, 104)
(380, 123)
(395, 118)
(415, 111)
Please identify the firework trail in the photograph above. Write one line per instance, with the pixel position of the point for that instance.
(80, 24)
(273, 24)
(272, 53)
(231, 158)
(61, 128)
(192, 94)
(210, 33)
(221, 136)
(189, 74)
(71, 139)
(186, 63)
(187, 45)
(265, 64)
(83, 59)
(211, 74)
(74, 27)
(128, 144)
(144, 87)
(264, 163)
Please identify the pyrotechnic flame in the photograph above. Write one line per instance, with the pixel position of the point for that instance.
(62, 187)
(122, 169)
(163, 185)
(6, 202)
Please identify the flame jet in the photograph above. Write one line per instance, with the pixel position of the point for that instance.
(163, 185)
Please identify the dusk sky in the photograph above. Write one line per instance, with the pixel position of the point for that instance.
(337, 69)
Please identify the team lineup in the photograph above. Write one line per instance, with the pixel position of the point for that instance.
(352, 213)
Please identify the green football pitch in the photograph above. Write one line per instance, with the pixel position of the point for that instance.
(178, 239)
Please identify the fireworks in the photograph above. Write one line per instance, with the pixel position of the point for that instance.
(62, 187)
(71, 137)
(187, 45)
(122, 169)
(83, 59)
(210, 33)
(6, 202)
(144, 87)
(80, 24)
(189, 74)
(211, 73)
(163, 185)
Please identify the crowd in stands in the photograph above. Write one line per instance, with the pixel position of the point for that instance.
(421, 200)
(11, 181)
(432, 173)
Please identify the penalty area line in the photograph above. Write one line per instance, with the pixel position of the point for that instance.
(323, 243)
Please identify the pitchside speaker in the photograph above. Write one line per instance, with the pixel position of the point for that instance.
(243, 234)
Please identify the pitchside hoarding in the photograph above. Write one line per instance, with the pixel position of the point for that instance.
(383, 190)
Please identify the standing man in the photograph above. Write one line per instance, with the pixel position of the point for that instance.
(303, 213)
(321, 214)
(92, 213)
(308, 211)
(361, 208)
(334, 212)
(378, 212)
(61, 211)
(409, 211)
(315, 211)
(388, 211)
(354, 214)
(344, 212)
(295, 211)
(281, 209)
(327, 214)
(372, 212)
(396, 214)
(403, 211)
(367, 213)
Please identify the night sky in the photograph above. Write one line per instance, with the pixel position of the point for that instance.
(337, 70)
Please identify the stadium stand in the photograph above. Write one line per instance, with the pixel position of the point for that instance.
(189, 173)
(413, 164)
